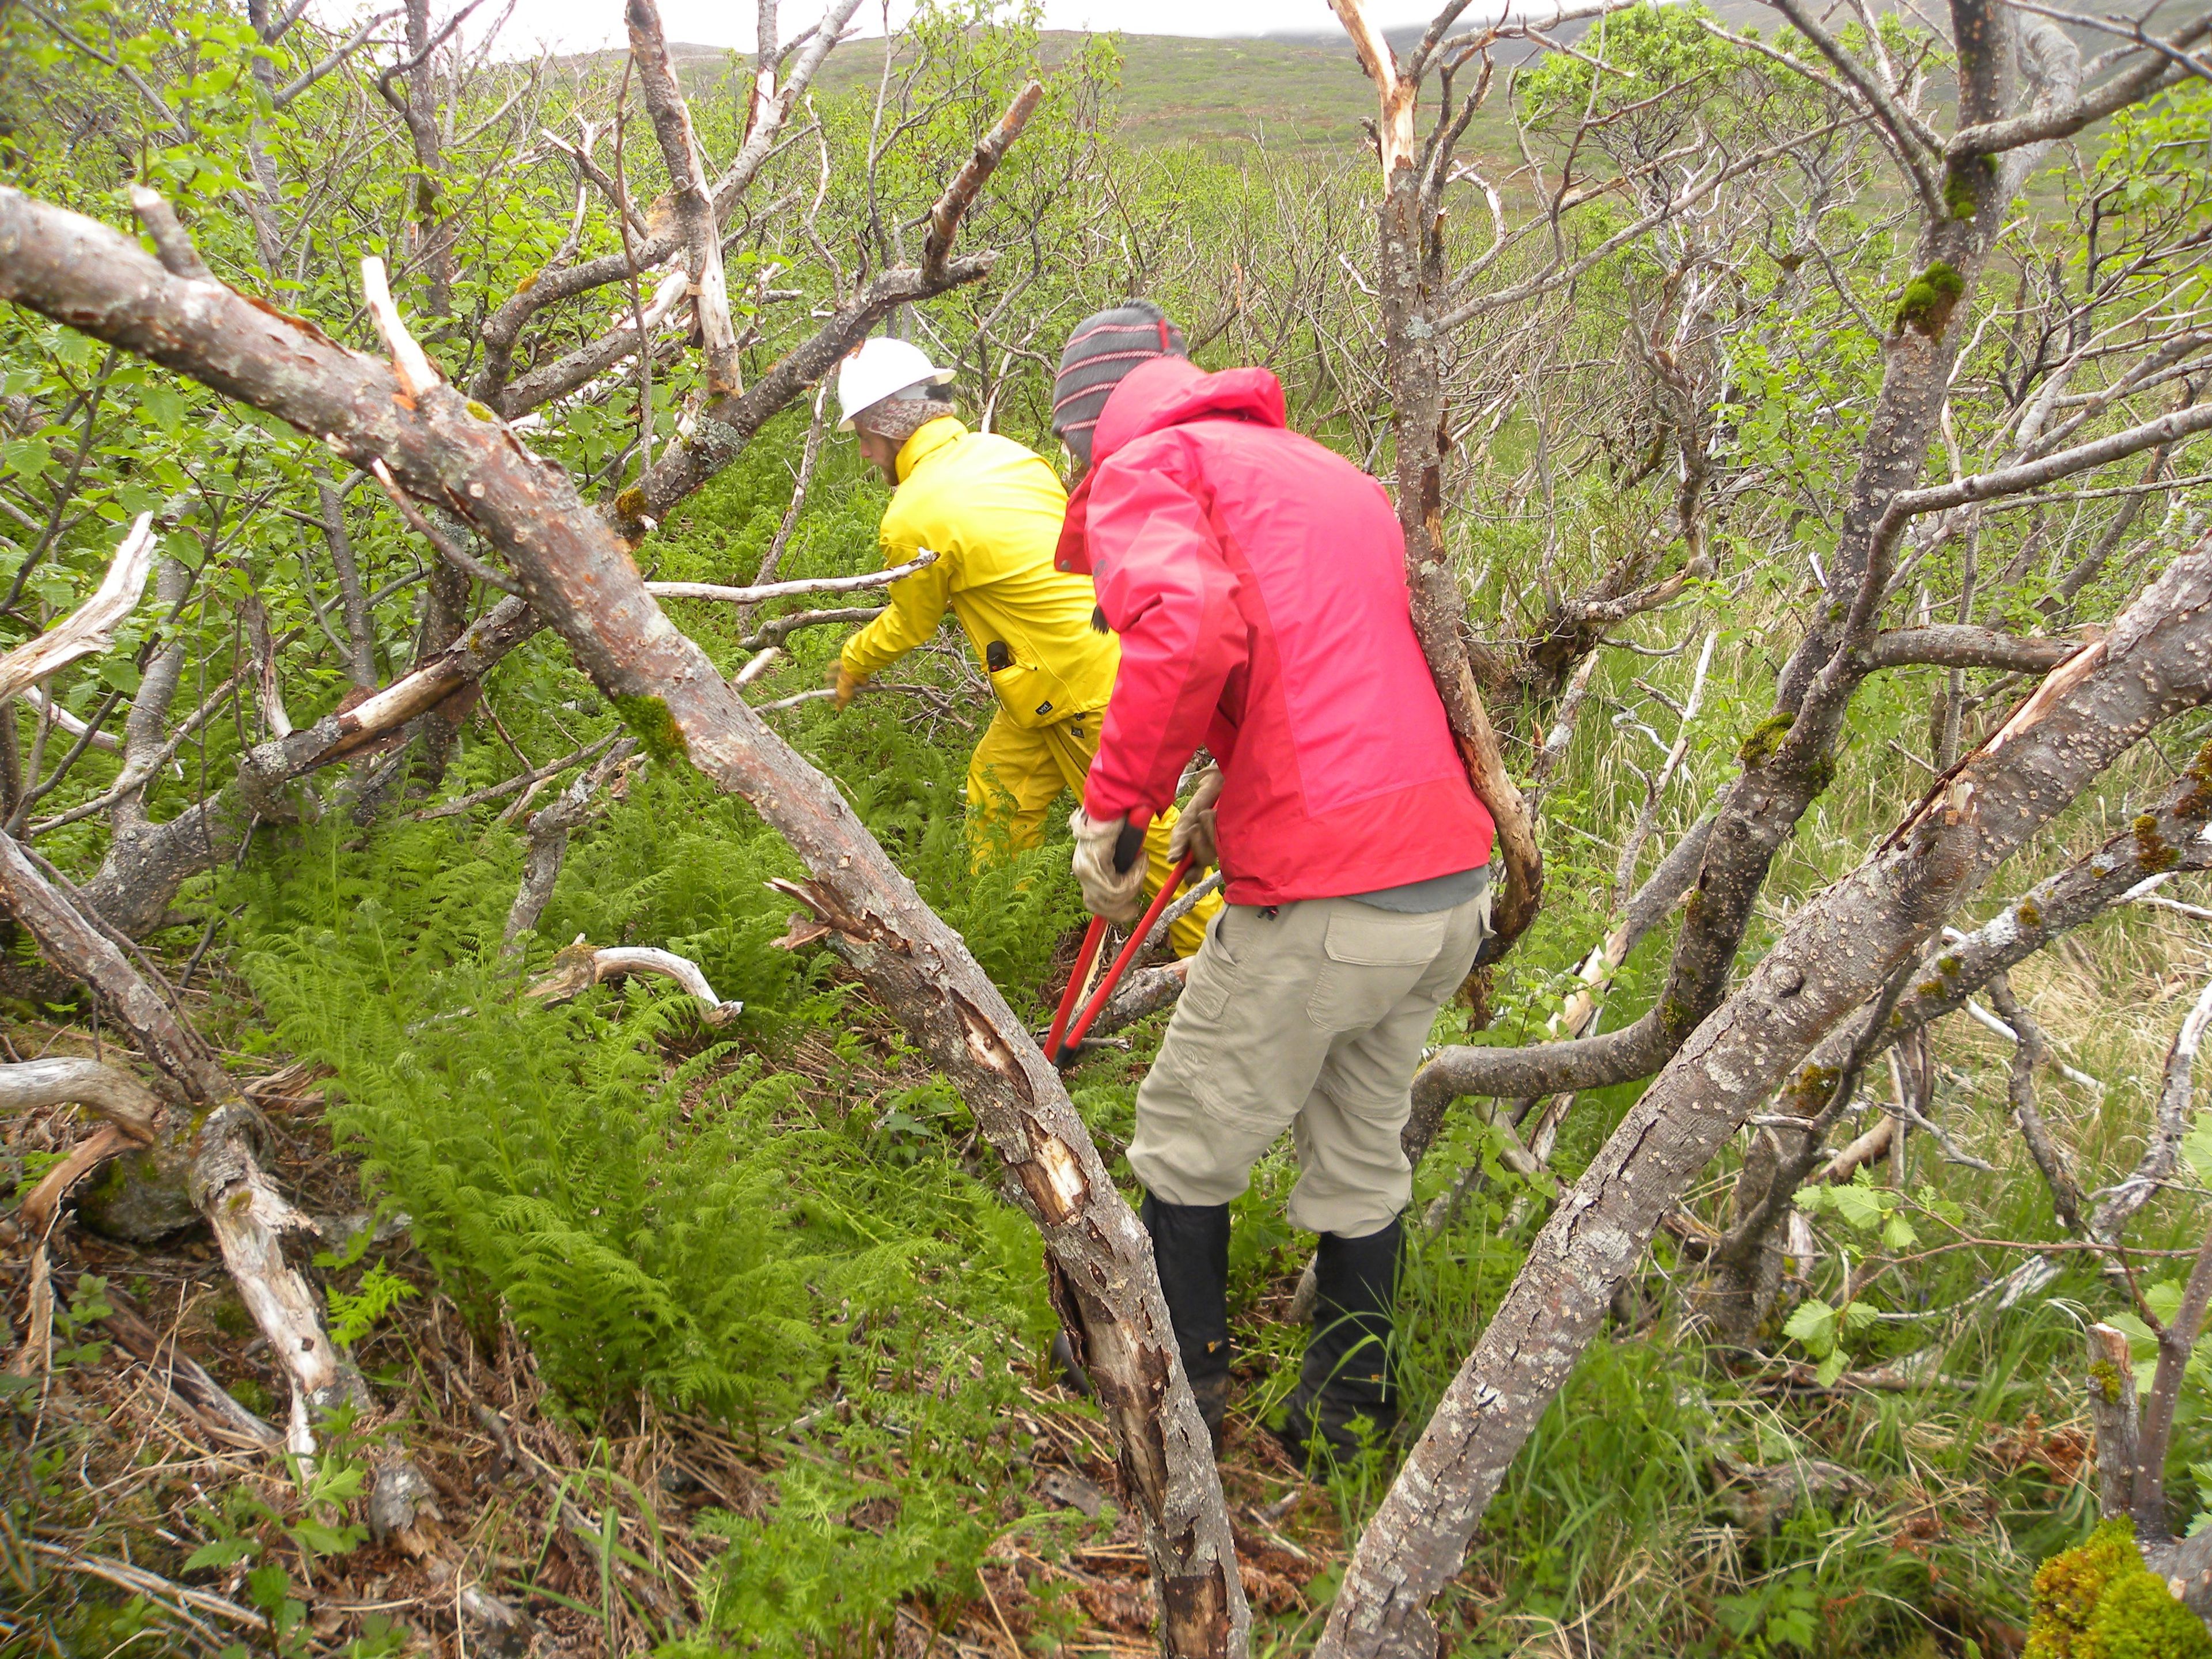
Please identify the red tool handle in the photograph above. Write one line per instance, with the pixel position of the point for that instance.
(1112, 974)
(1091, 938)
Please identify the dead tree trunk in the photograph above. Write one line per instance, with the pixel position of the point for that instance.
(579, 577)
(1414, 296)
(251, 1220)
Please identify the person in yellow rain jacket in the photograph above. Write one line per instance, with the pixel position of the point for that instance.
(991, 511)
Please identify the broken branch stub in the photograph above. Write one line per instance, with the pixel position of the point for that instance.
(89, 629)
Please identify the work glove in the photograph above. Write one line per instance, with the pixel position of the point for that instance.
(1116, 895)
(1193, 832)
(841, 682)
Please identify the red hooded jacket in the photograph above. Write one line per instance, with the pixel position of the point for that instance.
(1258, 583)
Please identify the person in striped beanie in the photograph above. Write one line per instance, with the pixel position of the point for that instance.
(1104, 347)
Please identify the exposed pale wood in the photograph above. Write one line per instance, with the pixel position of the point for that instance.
(36, 696)
(409, 360)
(695, 196)
(577, 966)
(755, 594)
(109, 1090)
(87, 630)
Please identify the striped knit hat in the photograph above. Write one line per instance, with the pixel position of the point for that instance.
(1104, 347)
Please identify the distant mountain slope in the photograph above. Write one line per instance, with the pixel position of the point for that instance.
(1300, 92)
(1296, 94)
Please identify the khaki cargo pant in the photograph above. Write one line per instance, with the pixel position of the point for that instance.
(1311, 1017)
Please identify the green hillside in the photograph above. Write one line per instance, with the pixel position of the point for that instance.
(1292, 94)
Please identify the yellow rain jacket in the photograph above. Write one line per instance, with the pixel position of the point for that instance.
(990, 510)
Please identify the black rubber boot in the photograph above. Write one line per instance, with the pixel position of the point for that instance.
(1346, 1373)
(1190, 1245)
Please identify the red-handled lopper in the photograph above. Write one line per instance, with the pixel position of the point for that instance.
(1065, 1038)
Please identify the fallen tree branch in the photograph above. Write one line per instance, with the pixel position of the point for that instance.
(147, 863)
(41, 1202)
(579, 966)
(109, 1090)
(537, 775)
(132, 1112)
(252, 1221)
(773, 633)
(215, 1405)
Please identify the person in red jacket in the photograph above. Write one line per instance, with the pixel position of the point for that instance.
(1257, 581)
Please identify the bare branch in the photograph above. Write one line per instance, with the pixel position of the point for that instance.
(960, 194)
(113, 1093)
(1835, 953)
(754, 595)
(2170, 1121)
(1953, 646)
(694, 202)
(2042, 124)
(2030, 1051)
(577, 967)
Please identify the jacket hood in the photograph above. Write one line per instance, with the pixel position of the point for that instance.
(1153, 397)
(1169, 391)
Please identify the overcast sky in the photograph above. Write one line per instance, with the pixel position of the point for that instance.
(580, 25)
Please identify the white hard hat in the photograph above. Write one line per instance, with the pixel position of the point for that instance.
(875, 369)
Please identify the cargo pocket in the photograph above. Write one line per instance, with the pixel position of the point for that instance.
(1373, 958)
(1031, 696)
(1212, 973)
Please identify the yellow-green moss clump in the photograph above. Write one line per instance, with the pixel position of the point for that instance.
(1929, 299)
(2098, 1600)
(1759, 743)
(656, 728)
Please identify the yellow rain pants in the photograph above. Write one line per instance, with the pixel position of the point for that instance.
(1015, 776)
